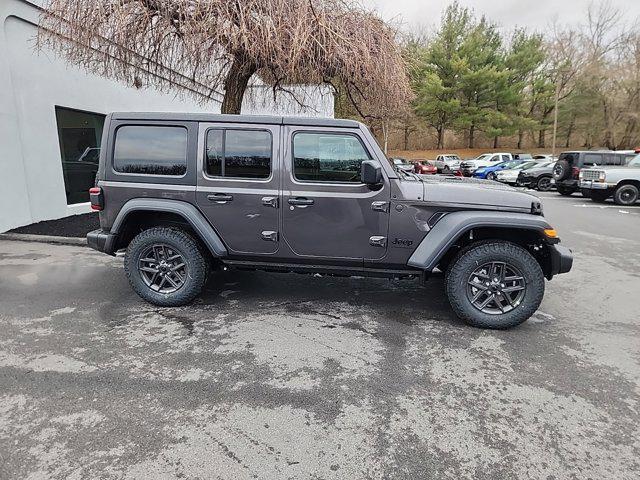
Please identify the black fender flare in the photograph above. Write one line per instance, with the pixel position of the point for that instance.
(454, 225)
(186, 210)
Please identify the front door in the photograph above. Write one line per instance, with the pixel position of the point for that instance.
(238, 185)
(328, 213)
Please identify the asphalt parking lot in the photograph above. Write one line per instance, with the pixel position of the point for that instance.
(287, 376)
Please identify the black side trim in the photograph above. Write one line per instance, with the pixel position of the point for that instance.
(186, 210)
(102, 241)
(452, 226)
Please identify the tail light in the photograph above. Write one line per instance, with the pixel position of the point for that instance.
(638, 150)
(97, 198)
(576, 172)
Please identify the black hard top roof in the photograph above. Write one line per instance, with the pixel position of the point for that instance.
(212, 117)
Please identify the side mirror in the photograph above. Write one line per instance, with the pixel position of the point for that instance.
(370, 173)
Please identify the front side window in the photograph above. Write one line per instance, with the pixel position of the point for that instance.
(238, 153)
(150, 150)
(328, 157)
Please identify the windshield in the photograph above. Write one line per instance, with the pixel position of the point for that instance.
(635, 162)
(451, 157)
(510, 164)
(399, 161)
(525, 166)
(485, 156)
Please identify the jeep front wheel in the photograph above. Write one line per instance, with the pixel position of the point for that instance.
(494, 285)
(166, 266)
(626, 195)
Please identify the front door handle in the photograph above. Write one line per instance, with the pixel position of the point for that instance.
(301, 201)
(220, 198)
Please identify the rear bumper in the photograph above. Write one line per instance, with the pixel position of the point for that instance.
(102, 241)
(561, 260)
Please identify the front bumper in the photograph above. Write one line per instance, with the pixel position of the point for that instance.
(561, 260)
(591, 185)
(102, 241)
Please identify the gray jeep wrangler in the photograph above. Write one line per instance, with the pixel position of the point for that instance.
(187, 193)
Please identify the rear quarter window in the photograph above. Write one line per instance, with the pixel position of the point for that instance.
(150, 150)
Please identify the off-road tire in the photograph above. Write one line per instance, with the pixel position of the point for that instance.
(565, 192)
(195, 258)
(599, 197)
(585, 192)
(561, 170)
(626, 194)
(464, 264)
(543, 184)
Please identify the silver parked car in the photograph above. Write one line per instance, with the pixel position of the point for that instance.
(621, 182)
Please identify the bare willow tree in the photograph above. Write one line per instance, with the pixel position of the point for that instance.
(204, 46)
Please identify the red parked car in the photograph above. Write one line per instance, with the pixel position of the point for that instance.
(425, 167)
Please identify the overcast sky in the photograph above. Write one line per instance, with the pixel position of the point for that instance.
(533, 14)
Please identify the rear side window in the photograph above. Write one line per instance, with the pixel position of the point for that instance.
(328, 157)
(591, 159)
(150, 150)
(569, 157)
(238, 153)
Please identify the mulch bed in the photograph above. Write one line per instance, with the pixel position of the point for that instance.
(74, 226)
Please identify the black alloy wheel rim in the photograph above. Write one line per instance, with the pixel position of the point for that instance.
(162, 268)
(628, 195)
(544, 184)
(496, 288)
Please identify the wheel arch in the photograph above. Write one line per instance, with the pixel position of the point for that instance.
(459, 230)
(142, 213)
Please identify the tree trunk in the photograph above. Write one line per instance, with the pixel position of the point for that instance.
(472, 131)
(541, 138)
(495, 142)
(440, 138)
(520, 138)
(572, 125)
(235, 85)
(406, 138)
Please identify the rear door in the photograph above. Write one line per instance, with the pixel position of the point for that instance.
(328, 213)
(238, 185)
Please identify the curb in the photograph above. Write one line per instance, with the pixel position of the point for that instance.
(26, 237)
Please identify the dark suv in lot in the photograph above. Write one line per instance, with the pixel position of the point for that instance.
(188, 193)
(566, 171)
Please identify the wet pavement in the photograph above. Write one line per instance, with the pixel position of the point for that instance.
(289, 376)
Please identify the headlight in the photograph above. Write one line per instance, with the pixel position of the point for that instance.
(581, 175)
(602, 177)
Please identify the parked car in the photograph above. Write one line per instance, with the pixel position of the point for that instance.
(537, 177)
(467, 167)
(510, 176)
(447, 162)
(331, 203)
(490, 172)
(402, 164)
(425, 167)
(567, 169)
(623, 182)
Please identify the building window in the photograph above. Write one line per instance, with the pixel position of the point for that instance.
(150, 150)
(79, 134)
(328, 157)
(239, 153)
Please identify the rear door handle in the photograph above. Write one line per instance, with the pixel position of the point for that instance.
(220, 198)
(301, 201)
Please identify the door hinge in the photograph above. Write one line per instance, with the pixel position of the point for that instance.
(377, 241)
(270, 236)
(380, 206)
(270, 202)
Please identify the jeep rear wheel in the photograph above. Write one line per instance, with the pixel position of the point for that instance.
(565, 192)
(166, 266)
(494, 285)
(626, 195)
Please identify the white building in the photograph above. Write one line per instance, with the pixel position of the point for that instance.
(51, 113)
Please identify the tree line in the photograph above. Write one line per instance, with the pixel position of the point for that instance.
(475, 85)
